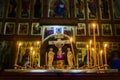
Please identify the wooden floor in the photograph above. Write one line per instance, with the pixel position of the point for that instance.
(58, 76)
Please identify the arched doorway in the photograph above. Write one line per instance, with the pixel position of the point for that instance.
(45, 48)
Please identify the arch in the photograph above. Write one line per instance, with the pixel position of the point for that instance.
(52, 35)
(45, 47)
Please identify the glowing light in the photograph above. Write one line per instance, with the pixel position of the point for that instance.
(33, 53)
(94, 25)
(105, 45)
(90, 42)
(93, 49)
(38, 42)
(19, 44)
(71, 39)
(87, 46)
(31, 48)
(101, 51)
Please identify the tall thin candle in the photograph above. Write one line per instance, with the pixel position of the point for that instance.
(72, 50)
(88, 62)
(90, 53)
(94, 38)
(101, 59)
(105, 54)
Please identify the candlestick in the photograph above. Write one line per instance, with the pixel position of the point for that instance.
(90, 53)
(94, 38)
(87, 55)
(72, 50)
(101, 59)
(105, 54)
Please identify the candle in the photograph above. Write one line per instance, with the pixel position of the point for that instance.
(101, 59)
(33, 58)
(31, 48)
(72, 50)
(87, 55)
(94, 38)
(98, 59)
(37, 50)
(38, 42)
(90, 53)
(105, 55)
(93, 55)
(46, 59)
(19, 45)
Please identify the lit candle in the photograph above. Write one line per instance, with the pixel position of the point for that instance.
(105, 45)
(94, 38)
(93, 53)
(38, 42)
(31, 48)
(33, 58)
(101, 59)
(72, 50)
(19, 45)
(90, 53)
(87, 55)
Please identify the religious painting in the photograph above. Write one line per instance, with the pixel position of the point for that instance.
(106, 29)
(112, 46)
(79, 9)
(90, 26)
(92, 9)
(68, 30)
(48, 30)
(1, 7)
(81, 29)
(58, 30)
(116, 9)
(12, 9)
(9, 28)
(115, 45)
(0, 27)
(28, 54)
(25, 9)
(23, 28)
(37, 9)
(58, 8)
(6, 54)
(36, 29)
(117, 29)
(104, 9)
(81, 46)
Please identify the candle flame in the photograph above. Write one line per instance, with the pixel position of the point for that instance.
(38, 42)
(105, 45)
(31, 48)
(19, 44)
(71, 39)
(33, 53)
(101, 51)
(90, 42)
(94, 25)
(87, 46)
(93, 49)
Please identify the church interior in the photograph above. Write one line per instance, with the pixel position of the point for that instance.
(60, 35)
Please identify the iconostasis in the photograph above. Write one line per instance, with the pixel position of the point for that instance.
(30, 21)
